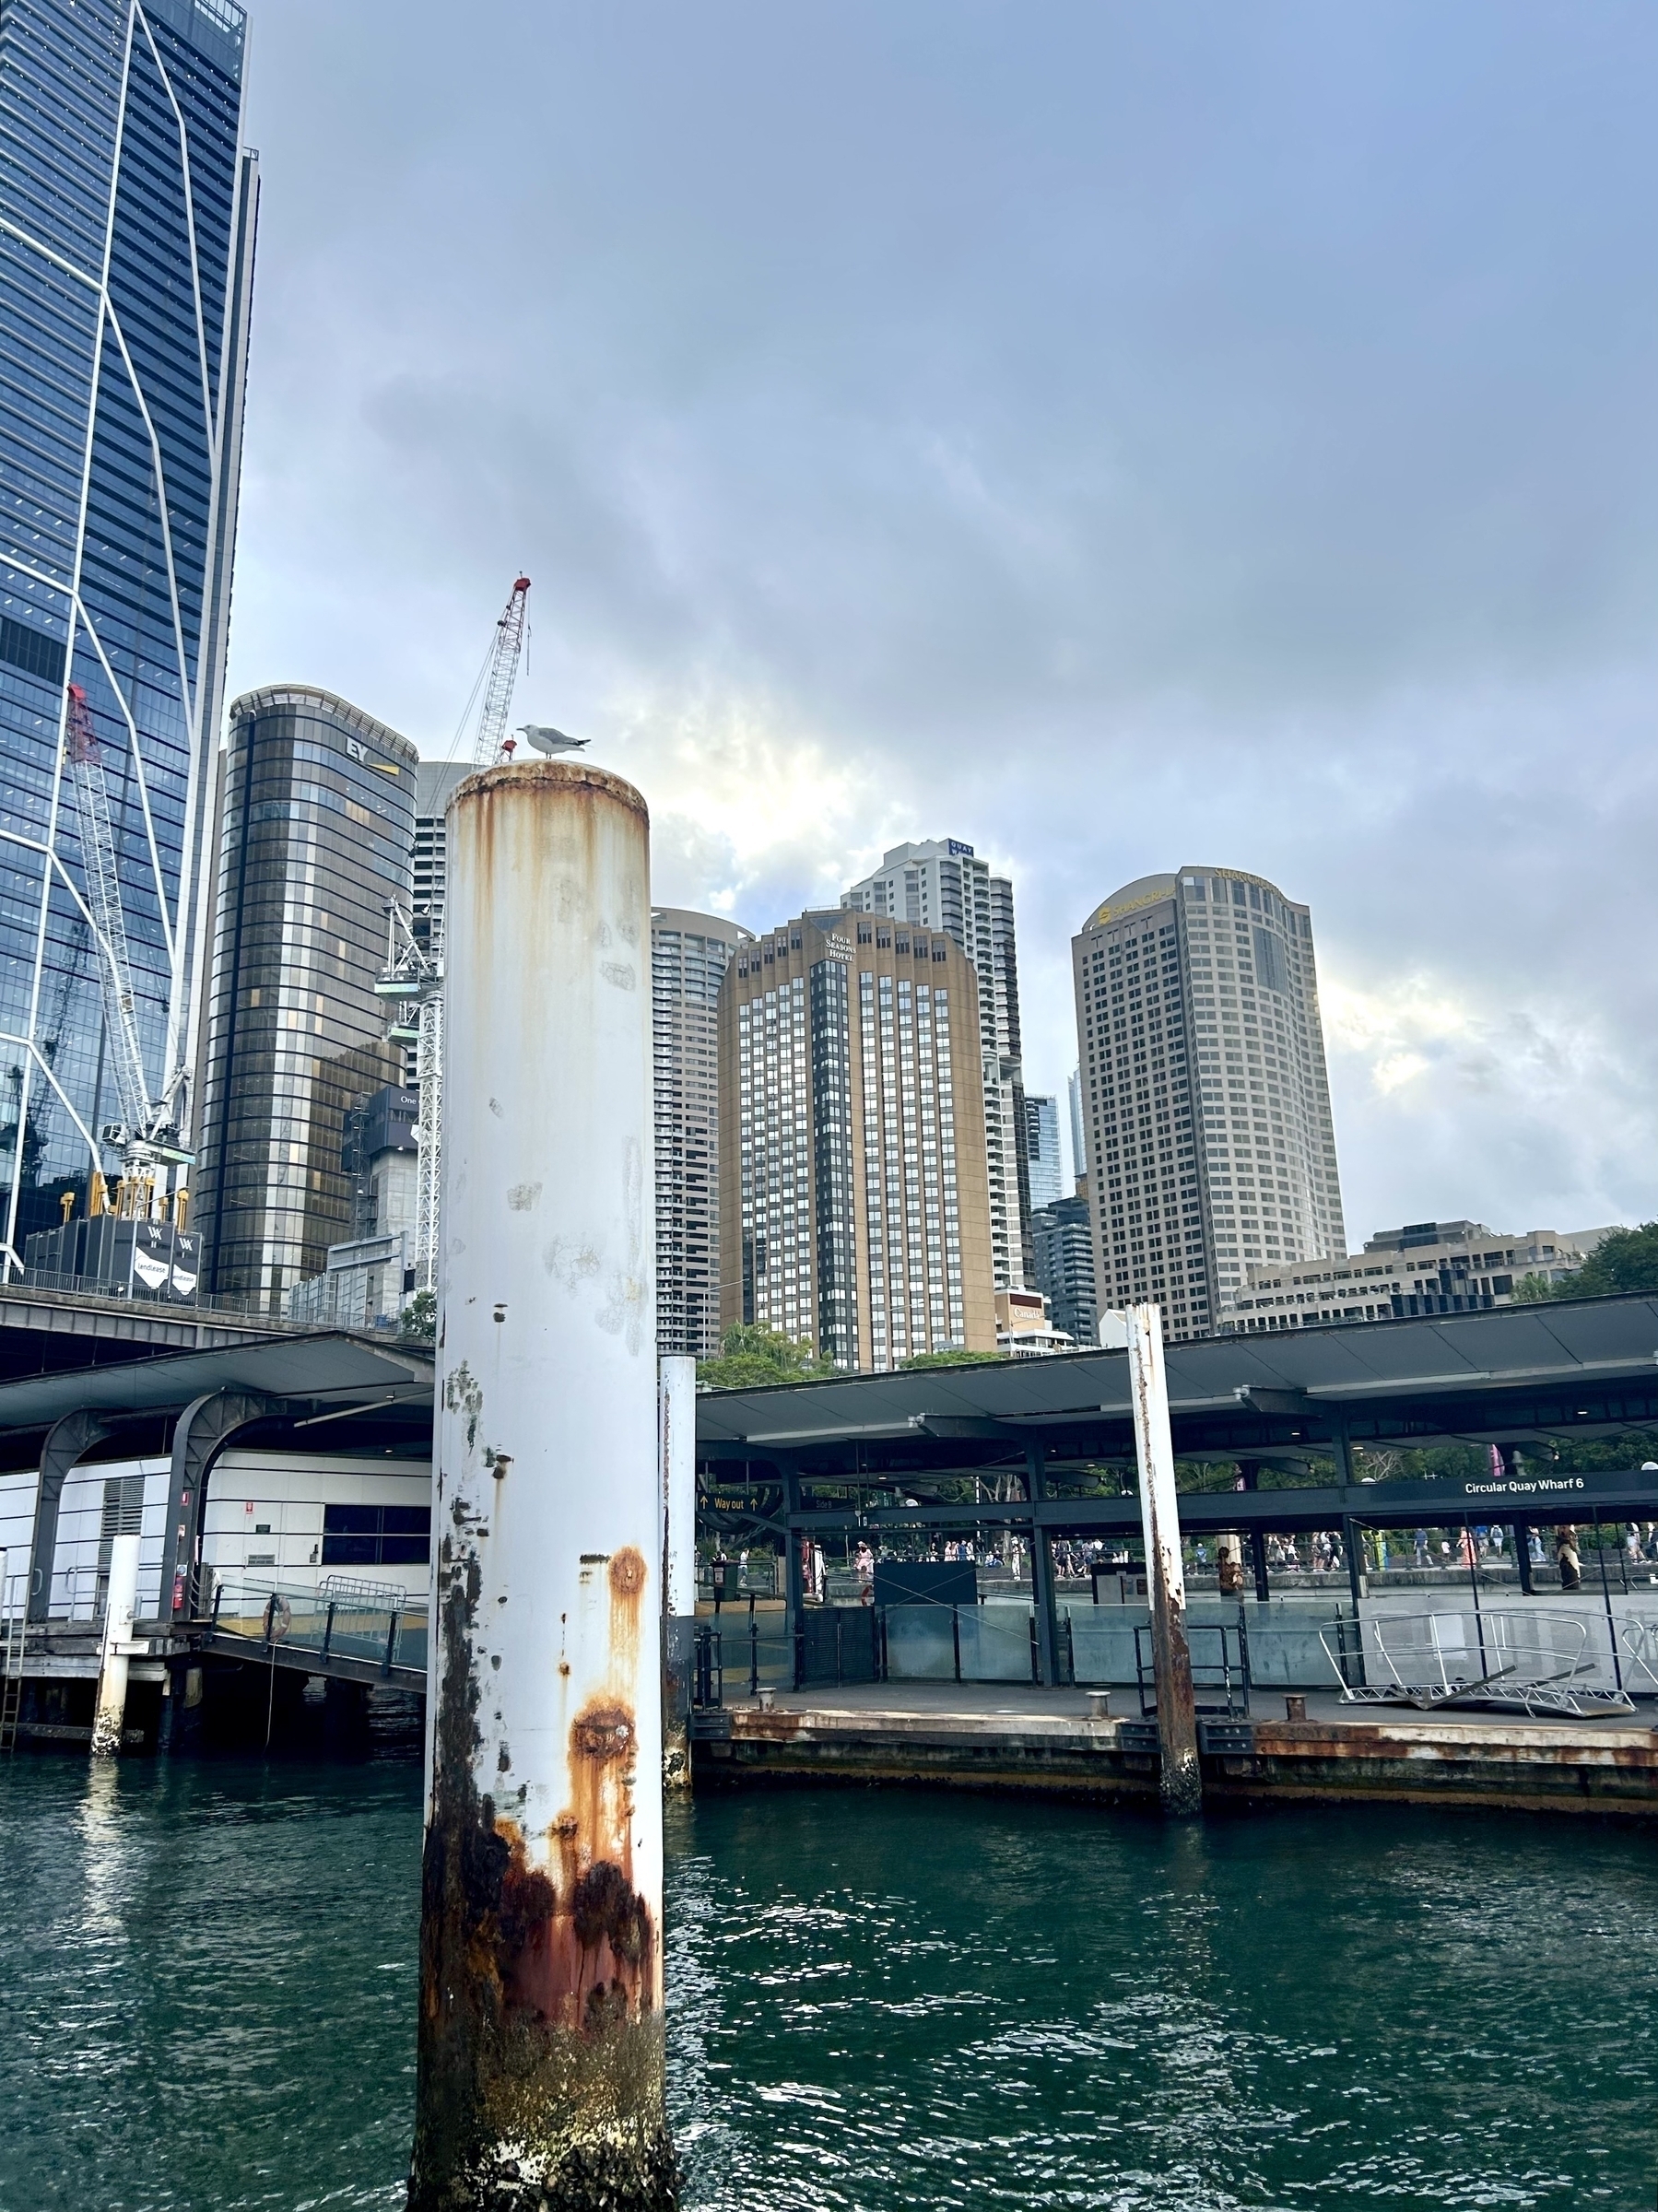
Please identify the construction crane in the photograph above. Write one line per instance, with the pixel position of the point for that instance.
(414, 970)
(493, 744)
(147, 1134)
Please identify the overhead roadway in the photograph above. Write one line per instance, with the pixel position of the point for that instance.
(44, 1331)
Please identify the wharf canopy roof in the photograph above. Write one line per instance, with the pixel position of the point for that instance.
(1583, 1364)
(310, 1369)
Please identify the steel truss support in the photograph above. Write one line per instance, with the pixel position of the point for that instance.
(67, 1442)
(200, 1434)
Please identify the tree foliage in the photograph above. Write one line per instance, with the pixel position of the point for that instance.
(950, 1359)
(1626, 1260)
(420, 1323)
(752, 1356)
(1532, 1289)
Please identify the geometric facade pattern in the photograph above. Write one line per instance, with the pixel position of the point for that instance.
(128, 213)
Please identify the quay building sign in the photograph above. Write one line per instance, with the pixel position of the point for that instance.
(1530, 1486)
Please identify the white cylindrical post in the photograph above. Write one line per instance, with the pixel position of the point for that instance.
(678, 1458)
(540, 2052)
(1181, 1786)
(120, 1597)
(678, 1486)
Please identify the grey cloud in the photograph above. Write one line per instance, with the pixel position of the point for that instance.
(1115, 435)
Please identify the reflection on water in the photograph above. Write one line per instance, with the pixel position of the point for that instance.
(208, 1990)
(912, 2001)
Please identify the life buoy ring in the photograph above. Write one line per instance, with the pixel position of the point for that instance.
(279, 1618)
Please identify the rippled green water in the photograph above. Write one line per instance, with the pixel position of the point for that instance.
(207, 1984)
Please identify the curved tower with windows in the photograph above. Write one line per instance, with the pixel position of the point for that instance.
(1205, 1099)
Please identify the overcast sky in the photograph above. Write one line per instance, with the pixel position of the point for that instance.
(1119, 436)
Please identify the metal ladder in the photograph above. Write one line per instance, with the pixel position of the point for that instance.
(14, 1632)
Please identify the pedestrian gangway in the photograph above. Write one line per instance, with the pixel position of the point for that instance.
(359, 1631)
(1541, 1661)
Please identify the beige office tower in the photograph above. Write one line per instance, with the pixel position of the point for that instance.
(855, 1206)
(1206, 1105)
(942, 884)
(690, 955)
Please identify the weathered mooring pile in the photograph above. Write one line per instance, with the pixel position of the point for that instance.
(541, 2067)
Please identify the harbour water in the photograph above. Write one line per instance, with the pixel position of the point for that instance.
(878, 2000)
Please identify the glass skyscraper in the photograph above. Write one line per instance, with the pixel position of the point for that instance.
(319, 819)
(1047, 1182)
(127, 206)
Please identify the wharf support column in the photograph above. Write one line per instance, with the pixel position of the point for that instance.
(1180, 1786)
(679, 1407)
(540, 2043)
(109, 1719)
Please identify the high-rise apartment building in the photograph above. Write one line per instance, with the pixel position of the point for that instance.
(1044, 1175)
(1079, 1143)
(1206, 1104)
(127, 209)
(854, 1202)
(690, 955)
(942, 884)
(319, 818)
(434, 785)
(1063, 1236)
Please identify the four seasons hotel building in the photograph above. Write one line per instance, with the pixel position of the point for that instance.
(855, 1212)
(1206, 1104)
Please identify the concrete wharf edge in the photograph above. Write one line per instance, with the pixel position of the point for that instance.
(1491, 1761)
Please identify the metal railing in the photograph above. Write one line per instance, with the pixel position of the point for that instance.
(1220, 1675)
(837, 1645)
(72, 1290)
(1543, 1660)
(369, 1622)
(1640, 1646)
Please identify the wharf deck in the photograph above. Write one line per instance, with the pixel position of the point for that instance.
(1044, 1742)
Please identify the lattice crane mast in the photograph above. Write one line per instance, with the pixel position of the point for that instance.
(493, 744)
(147, 1134)
(414, 970)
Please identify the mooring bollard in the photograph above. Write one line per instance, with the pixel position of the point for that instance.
(120, 1595)
(540, 2049)
(1180, 1782)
